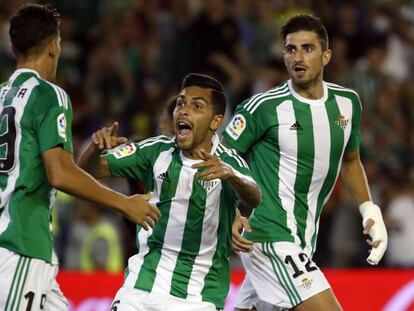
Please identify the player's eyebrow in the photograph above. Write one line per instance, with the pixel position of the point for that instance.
(200, 98)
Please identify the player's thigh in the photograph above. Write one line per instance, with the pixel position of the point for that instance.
(325, 300)
(26, 282)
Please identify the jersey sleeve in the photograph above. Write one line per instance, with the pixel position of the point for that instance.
(129, 161)
(356, 136)
(244, 128)
(53, 118)
(231, 157)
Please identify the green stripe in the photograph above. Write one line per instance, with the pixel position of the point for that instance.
(13, 282)
(147, 273)
(190, 245)
(19, 299)
(278, 274)
(18, 289)
(217, 280)
(337, 145)
(286, 271)
(304, 168)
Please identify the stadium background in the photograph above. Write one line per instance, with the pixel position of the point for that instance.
(123, 59)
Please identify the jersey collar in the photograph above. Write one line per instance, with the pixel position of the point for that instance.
(23, 70)
(315, 102)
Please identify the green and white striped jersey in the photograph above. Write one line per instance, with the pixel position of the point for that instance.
(294, 147)
(35, 116)
(187, 253)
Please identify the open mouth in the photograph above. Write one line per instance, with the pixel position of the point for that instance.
(299, 69)
(183, 129)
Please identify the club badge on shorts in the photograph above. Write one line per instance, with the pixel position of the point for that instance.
(236, 126)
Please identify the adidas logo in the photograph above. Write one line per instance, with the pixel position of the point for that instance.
(164, 176)
(296, 127)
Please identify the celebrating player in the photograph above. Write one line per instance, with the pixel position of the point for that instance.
(296, 136)
(182, 263)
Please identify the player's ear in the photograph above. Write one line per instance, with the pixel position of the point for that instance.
(326, 57)
(216, 122)
(54, 47)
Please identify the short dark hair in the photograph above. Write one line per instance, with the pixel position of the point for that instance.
(30, 26)
(218, 97)
(306, 23)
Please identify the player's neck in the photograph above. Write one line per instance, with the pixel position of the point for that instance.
(313, 90)
(44, 68)
(191, 154)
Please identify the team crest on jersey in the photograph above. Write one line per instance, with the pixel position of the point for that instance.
(207, 184)
(124, 151)
(342, 122)
(236, 126)
(61, 125)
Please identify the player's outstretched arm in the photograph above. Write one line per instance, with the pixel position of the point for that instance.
(91, 160)
(247, 190)
(65, 175)
(372, 220)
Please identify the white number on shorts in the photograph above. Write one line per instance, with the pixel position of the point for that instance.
(303, 258)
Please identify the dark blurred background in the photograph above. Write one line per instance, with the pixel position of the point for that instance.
(122, 60)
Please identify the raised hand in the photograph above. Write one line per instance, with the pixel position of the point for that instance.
(106, 137)
(140, 211)
(215, 168)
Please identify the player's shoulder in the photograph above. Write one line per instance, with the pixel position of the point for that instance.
(47, 89)
(157, 142)
(341, 90)
(230, 156)
(268, 99)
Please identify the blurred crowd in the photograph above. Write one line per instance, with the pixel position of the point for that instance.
(122, 60)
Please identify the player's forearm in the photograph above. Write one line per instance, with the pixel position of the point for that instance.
(78, 183)
(246, 189)
(355, 179)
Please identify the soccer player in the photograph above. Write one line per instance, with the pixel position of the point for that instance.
(183, 263)
(296, 136)
(36, 158)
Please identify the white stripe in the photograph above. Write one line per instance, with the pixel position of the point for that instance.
(345, 108)
(322, 147)
(155, 139)
(155, 142)
(19, 104)
(244, 163)
(288, 162)
(266, 99)
(277, 90)
(135, 262)
(208, 244)
(57, 92)
(340, 88)
(174, 231)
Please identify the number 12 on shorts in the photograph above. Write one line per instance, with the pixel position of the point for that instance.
(309, 266)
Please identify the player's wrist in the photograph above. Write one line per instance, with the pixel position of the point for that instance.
(370, 210)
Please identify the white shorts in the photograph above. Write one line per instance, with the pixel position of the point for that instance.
(279, 274)
(28, 284)
(131, 299)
